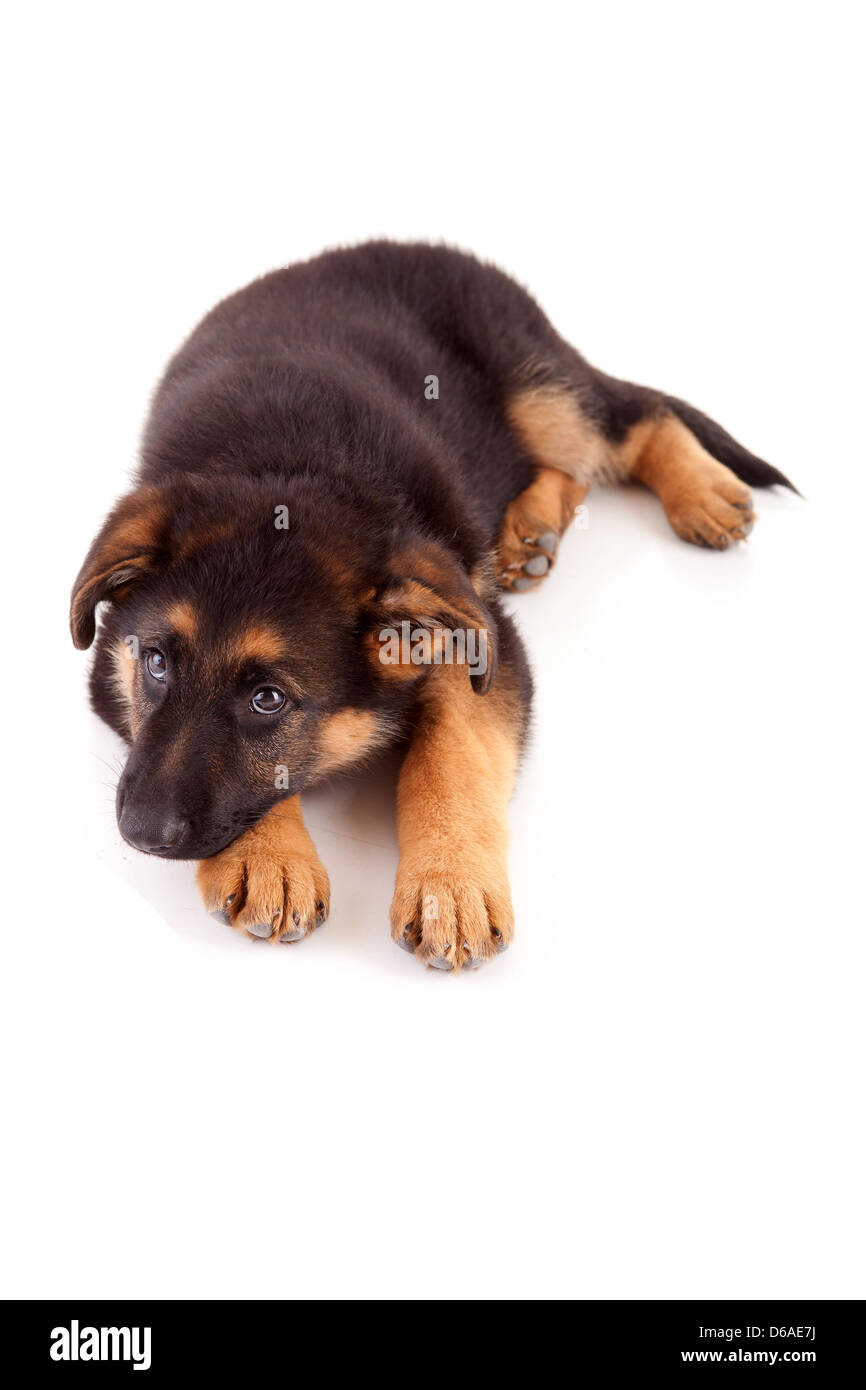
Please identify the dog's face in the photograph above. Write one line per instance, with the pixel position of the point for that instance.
(242, 653)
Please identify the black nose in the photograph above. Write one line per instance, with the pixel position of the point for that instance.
(154, 832)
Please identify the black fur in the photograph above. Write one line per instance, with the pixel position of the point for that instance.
(306, 390)
(725, 448)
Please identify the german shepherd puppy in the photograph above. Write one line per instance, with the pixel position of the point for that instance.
(341, 467)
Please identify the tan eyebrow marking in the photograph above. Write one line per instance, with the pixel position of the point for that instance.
(182, 617)
(258, 644)
(194, 541)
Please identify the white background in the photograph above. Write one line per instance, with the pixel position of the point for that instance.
(657, 1093)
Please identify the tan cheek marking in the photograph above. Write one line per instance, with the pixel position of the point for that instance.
(347, 736)
(556, 434)
(123, 675)
(182, 617)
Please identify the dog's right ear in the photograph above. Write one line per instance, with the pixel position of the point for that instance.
(426, 587)
(128, 545)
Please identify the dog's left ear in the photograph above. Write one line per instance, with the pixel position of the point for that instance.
(430, 590)
(127, 546)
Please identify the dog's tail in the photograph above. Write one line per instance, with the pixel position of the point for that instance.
(725, 448)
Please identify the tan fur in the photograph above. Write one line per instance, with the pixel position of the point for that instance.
(433, 585)
(258, 643)
(434, 592)
(453, 793)
(111, 577)
(347, 737)
(483, 577)
(182, 617)
(139, 529)
(552, 498)
(544, 509)
(557, 434)
(194, 541)
(408, 596)
(343, 570)
(122, 551)
(124, 668)
(389, 670)
(705, 502)
(271, 874)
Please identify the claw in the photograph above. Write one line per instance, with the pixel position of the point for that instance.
(441, 963)
(471, 962)
(297, 935)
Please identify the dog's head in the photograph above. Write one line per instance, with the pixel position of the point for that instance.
(256, 642)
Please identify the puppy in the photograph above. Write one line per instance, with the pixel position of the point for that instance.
(342, 467)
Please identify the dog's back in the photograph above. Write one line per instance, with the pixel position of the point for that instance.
(402, 356)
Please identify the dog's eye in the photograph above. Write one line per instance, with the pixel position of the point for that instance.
(267, 700)
(156, 665)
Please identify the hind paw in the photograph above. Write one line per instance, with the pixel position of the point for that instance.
(533, 526)
(524, 563)
(714, 510)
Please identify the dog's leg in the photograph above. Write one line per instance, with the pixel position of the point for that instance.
(705, 502)
(269, 882)
(596, 428)
(452, 904)
(533, 527)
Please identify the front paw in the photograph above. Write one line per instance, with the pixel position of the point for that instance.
(268, 890)
(452, 919)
